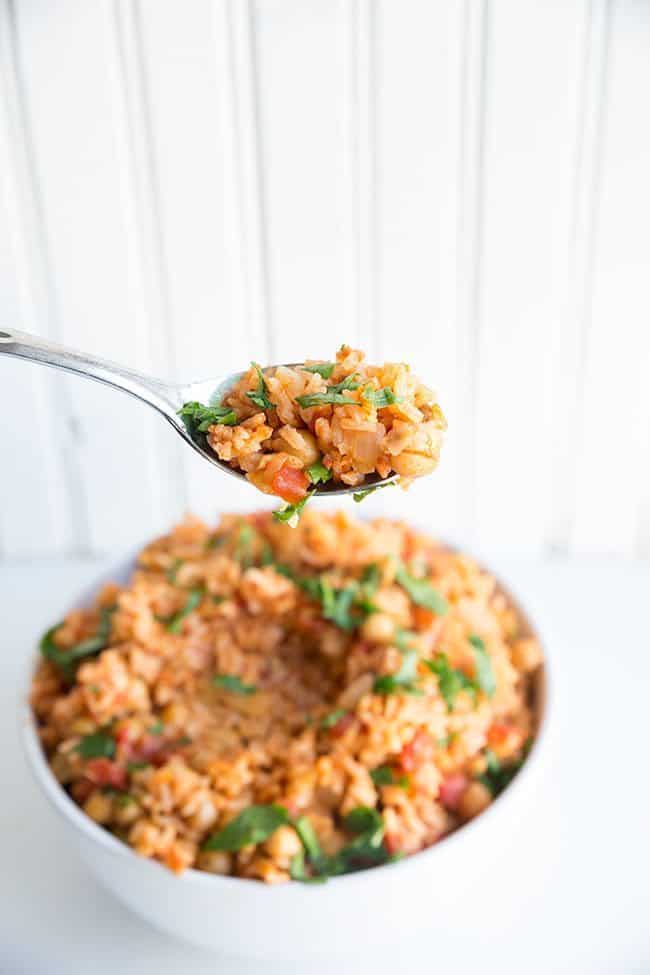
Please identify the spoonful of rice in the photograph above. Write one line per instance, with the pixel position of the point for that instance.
(296, 430)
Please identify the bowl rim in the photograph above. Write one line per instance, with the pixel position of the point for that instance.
(74, 815)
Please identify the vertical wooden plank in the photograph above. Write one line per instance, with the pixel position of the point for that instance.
(571, 340)
(301, 64)
(423, 54)
(612, 511)
(78, 159)
(532, 84)
(147, 258)
(38, 479)
(198, 72)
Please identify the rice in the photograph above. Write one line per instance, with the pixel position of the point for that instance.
(274, 704)
(289, 427)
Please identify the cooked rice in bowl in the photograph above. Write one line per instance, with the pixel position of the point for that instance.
(274, 704)
(290, 428)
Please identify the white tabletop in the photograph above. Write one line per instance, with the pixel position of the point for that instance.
(591, 831)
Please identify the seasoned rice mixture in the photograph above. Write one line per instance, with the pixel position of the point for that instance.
(280, 704)
(290, 428)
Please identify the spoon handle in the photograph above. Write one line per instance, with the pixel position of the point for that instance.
(157, 393)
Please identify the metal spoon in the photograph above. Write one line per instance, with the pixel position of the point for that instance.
(166, 398)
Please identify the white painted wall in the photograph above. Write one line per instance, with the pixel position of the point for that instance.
(462, 184)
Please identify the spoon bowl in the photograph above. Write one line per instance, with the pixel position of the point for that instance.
(164, 397)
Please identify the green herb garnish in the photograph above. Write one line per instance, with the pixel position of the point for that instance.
(365, 850)
(172, 571)
(137, 766)
(98, 745)
(244, 545)
(451, 681)
(198, 418)
(421, 592)
(174, 623)
(229, 682)
(381, 397)
(385, 775)
(291, 513)
(253, 825)
(403, 680)
(156, 728)
(337, 604)
(332, 718)
(484, 673)
(497, 775)
(324, 369)
(333, 394)
(318, 473)
(66, 659)
(370, 580)
(260, 397)
(359, 496)
(308, 838)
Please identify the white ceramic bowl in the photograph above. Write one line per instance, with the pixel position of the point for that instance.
(435, 889)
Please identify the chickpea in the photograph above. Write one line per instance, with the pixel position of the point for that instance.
(379, 628)
(99, 807)
(126, 811)
(282, 845)
(526, 654)
(215, 861)
(411, 464)
(476, 798)
(83, 726)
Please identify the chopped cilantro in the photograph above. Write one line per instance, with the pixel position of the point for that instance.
(253, 825)
(174, 623)
(244, 545)
(332, 718)
(381, 397)
(198, 418)
(291, 513)
(66, 659)
(371, 579)
(260, 397)
(308, 837)
(318, 473)
(365, 850)
(333, 394)
(450, 680)
(172, 571)
(98, 745)
(421, 592)
(497, 775)
(403, 680)
(215, 541)
(229, 682)
(156, 728)
(337, 604)
(484, 672)
(137, 766)
(359, 496)
(324, 369)
(385, 775)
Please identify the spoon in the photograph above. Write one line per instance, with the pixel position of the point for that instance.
(166, 398)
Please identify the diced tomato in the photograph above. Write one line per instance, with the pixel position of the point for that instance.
(391, 843)
(451, 790)
(102, 771)
(416, 752)
(82, 789)
(290, 484)
(342, 725)
(504, 739)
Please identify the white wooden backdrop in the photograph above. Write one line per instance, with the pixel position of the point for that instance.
(462, 184)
